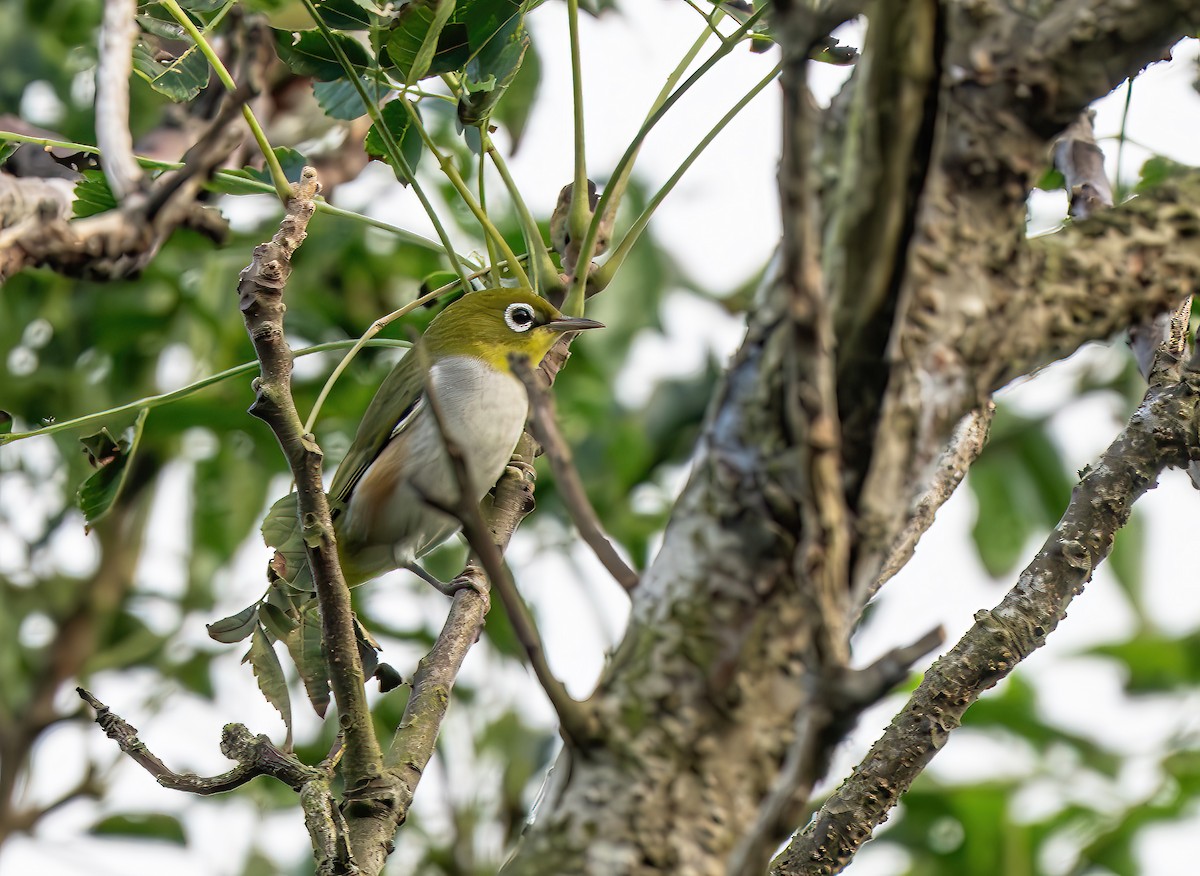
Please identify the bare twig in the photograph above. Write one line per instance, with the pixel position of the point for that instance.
(255, 756)
(119, 243)
(570, 487)
(1161, 433)
(117, 32)
(577, 721)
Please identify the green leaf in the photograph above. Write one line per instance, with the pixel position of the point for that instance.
(269, 673)
(1001, 525)
(1155, 663)
(179, 79)
(441, 11)
(160, 27)
(202, 5)
(398, 122)
(1158, 170)
(308, 653)
(513, 112)
(340, 99)
(276, 621)
(235, 627)
(418, 22)
(282, 522)
(368, 648)
(348, 14)
(490, 71)
(1052, 180)
(142, 825)
(307, 53)
(100, 491)
(6, 423)
(92, 194)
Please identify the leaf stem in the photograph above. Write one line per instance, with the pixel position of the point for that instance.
(389, 142)
(493, 256)
(588, 248)
(579, 213)
(605, 272)
(282, 187)
(460, 186)
(155, 401)
(545, 274)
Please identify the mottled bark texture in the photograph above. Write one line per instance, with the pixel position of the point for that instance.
(733, 663)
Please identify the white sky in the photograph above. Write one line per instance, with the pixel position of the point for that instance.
(722, 224)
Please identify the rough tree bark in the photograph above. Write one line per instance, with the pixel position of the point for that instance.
(735, 658)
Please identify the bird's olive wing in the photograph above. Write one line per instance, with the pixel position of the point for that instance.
(396, 401)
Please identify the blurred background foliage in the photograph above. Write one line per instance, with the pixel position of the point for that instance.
(74, 608)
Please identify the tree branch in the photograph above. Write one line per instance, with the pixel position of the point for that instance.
(255, 755)
(416, 737)
(544, 421)
(1161, 433)
(369, 796)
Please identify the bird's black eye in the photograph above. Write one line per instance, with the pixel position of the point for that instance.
(519, 317)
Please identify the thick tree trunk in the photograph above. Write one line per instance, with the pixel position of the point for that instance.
(731, 685)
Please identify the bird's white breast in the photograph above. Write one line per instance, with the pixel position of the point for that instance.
(484, 413)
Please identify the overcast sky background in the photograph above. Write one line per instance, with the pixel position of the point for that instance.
(722, 224)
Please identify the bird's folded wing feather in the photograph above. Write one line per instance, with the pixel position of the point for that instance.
(397, 401)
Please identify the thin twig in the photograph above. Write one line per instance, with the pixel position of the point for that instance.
(416, 736)
(566, 475)
(256, 756)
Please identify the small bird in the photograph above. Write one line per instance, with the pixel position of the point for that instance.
(396, 470)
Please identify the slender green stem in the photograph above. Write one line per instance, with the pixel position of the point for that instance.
(1119, 188)
(282, 187)
(580, 212)
(493, 255)
(233, 178)
(588, 248)
(389, 142)
(460, 186)
(605, 272)
(365, 339)
(155, 401)
(545, 275)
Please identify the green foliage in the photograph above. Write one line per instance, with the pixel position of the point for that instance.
(398, 120)
(268, 671)
(92, 194)
(180, 79)
(308, 53)
(1021, 489)
(111, 459)
(142, 825)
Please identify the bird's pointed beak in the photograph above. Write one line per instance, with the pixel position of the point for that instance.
(573, 324)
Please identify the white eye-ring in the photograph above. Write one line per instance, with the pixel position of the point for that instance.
(519, 317)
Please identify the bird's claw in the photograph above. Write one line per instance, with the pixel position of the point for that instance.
(468, 580)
